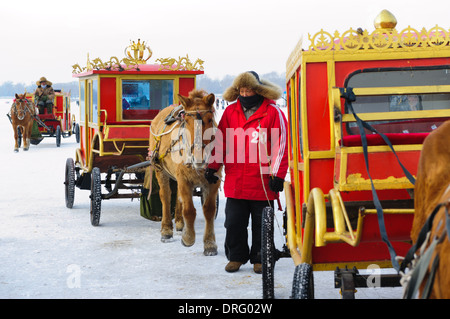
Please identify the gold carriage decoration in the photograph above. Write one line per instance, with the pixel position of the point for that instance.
(385, 38)
(135, 54)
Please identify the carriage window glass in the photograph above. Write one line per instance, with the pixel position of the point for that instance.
(94, 101)
(142, 99)
(82, 103)
(401, 103)
(405, 102)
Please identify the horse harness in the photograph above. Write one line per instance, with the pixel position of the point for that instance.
(177, 116)
(27, 109)
(419, 264)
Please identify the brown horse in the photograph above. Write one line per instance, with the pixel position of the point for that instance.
(431, 189)
(180, 137)
(22, 113)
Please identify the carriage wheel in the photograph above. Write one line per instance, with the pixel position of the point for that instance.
(58, 136)
(303, 283)
(77, 133)
(69, 183)
(267, 253)
(96, 196)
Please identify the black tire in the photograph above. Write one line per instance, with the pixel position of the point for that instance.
(69, 183)
(58, 136)
(303, 283)
(267, 253)
(77, 133)
(96, 196)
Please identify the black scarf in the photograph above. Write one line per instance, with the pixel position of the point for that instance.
(251, 101)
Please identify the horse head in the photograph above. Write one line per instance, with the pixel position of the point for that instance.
(20, 106)
(199, 119)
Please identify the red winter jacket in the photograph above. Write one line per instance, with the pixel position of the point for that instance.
(240, 144)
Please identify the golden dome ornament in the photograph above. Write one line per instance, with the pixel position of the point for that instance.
(385, 20)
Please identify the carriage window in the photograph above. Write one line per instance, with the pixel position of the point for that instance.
(82, 102)
(94, 101)
(142, 99)
(401, 103)
(398, 103)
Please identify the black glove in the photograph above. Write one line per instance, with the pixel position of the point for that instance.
(276, 184)
(210, 177)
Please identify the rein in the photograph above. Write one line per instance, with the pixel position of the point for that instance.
(419, 263)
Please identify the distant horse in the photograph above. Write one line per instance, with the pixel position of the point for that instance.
(432, 189)
(180, 136)
(22, 113)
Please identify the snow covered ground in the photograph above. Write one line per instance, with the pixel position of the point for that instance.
(49, 251)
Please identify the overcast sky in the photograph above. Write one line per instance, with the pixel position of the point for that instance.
(45, 38)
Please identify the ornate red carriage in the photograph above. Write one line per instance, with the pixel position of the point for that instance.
(118, 100)
(339, 168)
(59, 123)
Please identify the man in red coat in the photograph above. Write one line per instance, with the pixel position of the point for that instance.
(251, 143)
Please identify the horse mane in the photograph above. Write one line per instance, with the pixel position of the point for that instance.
(200, 94)
(197, 94)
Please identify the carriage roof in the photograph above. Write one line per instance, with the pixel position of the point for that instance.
(141, 69)
(383, 43)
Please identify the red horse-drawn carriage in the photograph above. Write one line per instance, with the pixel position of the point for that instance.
(60, 123)
(118, 100)
(360, 104)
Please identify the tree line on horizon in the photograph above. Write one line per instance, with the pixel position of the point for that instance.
(216, 86)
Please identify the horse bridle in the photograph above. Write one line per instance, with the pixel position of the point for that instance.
(185, 143)
(25, 108)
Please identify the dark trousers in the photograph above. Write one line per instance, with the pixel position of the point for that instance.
(237, 215)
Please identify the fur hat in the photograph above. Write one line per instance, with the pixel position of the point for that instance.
(43, 79)
(251, 80)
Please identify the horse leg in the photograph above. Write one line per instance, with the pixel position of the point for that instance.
(164, 195)
(209, 211)
(179, 222)
(16, 138)
(185, 194)
(27, 135)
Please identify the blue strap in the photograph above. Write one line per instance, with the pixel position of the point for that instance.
(349, 98)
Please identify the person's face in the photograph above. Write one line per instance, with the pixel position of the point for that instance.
(246, 92)
(413, 100)
(43, 83)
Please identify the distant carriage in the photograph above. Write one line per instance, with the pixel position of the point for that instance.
(58, 124)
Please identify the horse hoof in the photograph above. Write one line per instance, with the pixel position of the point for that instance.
(186, 244)
(16, 150)
(210, 252)
(166, 238)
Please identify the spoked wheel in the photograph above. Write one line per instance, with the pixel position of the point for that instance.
(58, 136)
(268, 253)
(96, 196)
(303, 283)
(69, 183)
